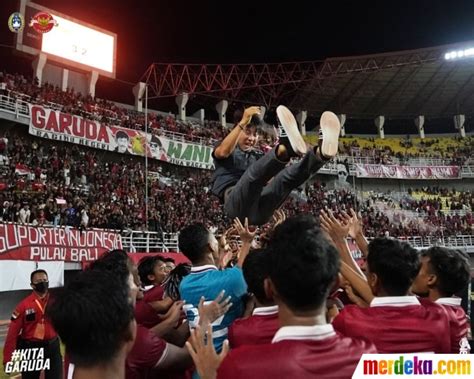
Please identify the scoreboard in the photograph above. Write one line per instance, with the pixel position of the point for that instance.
(71, 42)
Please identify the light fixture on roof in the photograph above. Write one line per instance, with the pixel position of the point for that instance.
(455, 54)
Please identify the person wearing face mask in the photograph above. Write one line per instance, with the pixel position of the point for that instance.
(30, 328)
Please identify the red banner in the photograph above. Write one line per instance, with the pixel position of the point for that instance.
(21, 242)
(65, 127)
(407, 172)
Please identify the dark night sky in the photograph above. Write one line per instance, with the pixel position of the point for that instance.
(259, 31)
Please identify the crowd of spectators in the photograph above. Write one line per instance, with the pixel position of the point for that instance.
(437, 212)
(43, 183)
(452, 151)
(107, 112)
(48, 184)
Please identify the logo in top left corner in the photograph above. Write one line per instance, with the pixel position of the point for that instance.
(43, 22)
(16, 22)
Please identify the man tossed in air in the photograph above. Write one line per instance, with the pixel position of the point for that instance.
(242, 174)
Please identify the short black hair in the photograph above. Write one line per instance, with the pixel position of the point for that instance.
(303, 265)
(92, 315)
(121, 134)
(395, 263)
(451, 268)
(192, 241)
(254, 121)
(174, 279)
(168, 259)
(115, 261)
(255, 270)
(39, 271)
(155, 139)
(146, 267)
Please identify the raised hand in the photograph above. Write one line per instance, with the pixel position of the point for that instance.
(204, 355)
(332, 226)
(225, 258)
(248, 114)
(278, 217)
(246, 236)
(208, 313)
(355, 223)
(225, 252)
(355, 298)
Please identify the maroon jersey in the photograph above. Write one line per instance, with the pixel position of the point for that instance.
(145, 355)
(255, 330)
(301, 352)
(26, 318)
(458, 321)
(154, 293)
(144, 312)
(398, 324)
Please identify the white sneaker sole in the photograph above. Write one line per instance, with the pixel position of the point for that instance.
(288, 122)
(330, 129)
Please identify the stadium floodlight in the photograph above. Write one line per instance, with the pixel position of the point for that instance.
(455, 54)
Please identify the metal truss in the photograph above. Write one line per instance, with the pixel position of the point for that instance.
(262, 83)
(297, 84)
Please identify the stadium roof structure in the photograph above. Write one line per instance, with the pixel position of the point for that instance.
(401, 84)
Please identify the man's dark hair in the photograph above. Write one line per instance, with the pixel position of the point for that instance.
(255, 120)
(121, 134)
(396, 264)
(115, 261)
(193, 240)
(146, 267)
(174, 279)
(167, 259)
(92, 315)
(255, 270)
(451, 268)
(155, 139)
(39, 271)
(303, 265)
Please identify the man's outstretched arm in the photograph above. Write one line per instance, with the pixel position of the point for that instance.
(227, 146)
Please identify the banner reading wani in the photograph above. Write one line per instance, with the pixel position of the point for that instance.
(407, 172)
(21, 242)
(59, 126)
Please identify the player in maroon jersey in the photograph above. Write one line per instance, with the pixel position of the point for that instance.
(152, 271)
(303, 266)
(443, 274)
(262, 325)
(94, 318)
(395, 321)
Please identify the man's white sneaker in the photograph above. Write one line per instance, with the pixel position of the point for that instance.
(291, 137)
(330, 129)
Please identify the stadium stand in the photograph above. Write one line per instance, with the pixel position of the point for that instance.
(390, 150)
(367, 255)
(105, 190)
(69, 101)
(98, 195)
(448, 150)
